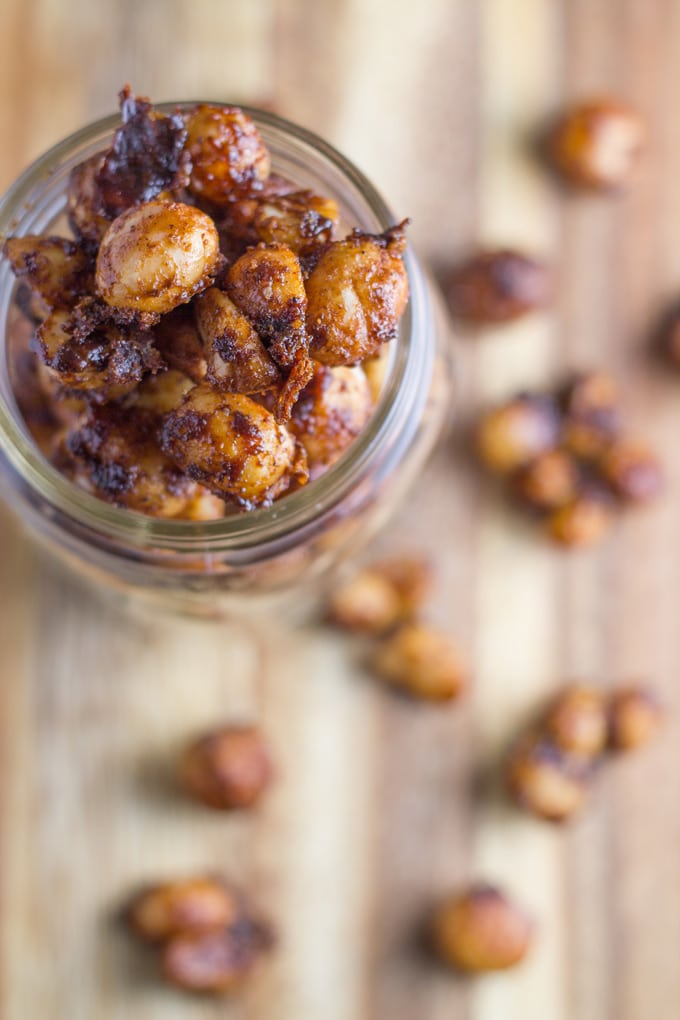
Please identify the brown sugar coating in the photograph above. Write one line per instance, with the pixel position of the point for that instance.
(498, 286)
(167, 347)
(229, 768)
(481, 930)
(159, 912)
(596, 144)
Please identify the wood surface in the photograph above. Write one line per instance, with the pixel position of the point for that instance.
(379, 807)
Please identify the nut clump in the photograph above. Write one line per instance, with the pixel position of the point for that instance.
(596, 144)
(228, 769)
(480, 930)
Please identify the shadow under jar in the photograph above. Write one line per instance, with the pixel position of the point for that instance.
(215, 567)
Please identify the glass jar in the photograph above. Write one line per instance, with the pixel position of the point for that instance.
(210, 567)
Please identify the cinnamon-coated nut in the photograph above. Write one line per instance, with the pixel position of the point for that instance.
(161, 911)
(422, 662)
(228, 769)
(498, 286)
(635, 716)
(545, 780)
(481, 930)
(577, 720)
(632, 470)
(513, 434)
(596, 144)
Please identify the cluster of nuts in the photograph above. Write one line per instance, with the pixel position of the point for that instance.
(567, 459)
(203, 343)
(551, 768)
(383, 602)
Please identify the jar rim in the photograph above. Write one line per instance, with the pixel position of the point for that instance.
(293, 511)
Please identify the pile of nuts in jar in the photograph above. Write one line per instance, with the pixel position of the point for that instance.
(203, 344)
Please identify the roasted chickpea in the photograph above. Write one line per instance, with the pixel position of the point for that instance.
(218, 960)
(583, 521)
(596, 144)
(156, 256)
(592, 414)
(513, 434)
(381, 596)
(635, 716)
(228, 769)
(481, 930)
(161, 911)
(180, 344)
(301, 220)
(330, 413)
(498, 286)
(577, 720)
(545, 780)
(226, 151)
(231, 445)
(237, 360)
(548, 482)
(356, 294)
(161, 393)
(632, 470)
(422, 662)
(56, 270)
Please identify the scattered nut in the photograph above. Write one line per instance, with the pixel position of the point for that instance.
(545, 780)
(632, 470)
(481, 930)
(228, 769)
(513, 434)
(421, 661)
(581, 522)
(577, 720)
(635, 716)
(217, 960)
(380, 597)
(161, 911)
(592, 414)
(549, 482)
(595, 144)
(498, 286)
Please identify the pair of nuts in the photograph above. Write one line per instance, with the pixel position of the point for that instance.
(551, 768)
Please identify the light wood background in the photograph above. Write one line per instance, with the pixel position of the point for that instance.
(378, 809)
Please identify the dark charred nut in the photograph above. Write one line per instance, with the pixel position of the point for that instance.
(161, 911)
(378, 598)
(632, 470)
(481, 930)
(596, 144)
(226, 151)
(156, 256)
(422, 662)
(498, 286)
(356, 294)
(635, 716)
(577, 720)
(592, 414)
(330, 413)
(228, 769)
(513, 434)
(219, 960)
(582, 522)
(545, 780)
(548, 482)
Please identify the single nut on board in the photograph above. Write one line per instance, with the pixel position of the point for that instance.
(422, 662)
(632, 470)
(577, 720)
(498, 286)
(592, 414)
(229, 768)
(481, 930)
(635, 716)
(161, 911)
(545, 780)
(548, 482)
(381, 596)
(596, 144)
(512, 434)
(217, 960)
(581, 522)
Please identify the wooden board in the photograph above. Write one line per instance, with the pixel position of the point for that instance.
(377, 810)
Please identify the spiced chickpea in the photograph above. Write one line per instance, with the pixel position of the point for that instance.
(179, 342)
(301, 220)
(422, 662)
(632, 470)
(498, 286)
(236, 359)
(226, 151)
(545, 780)
(161, 911)
(381, 596)
(510, 436)
(216, 960)
(481, 929)
(635, 715)
(330, 413)
(596, 143)
(581, 522)
(548, 482)
(59, 272)
(577, 720)
(592, 414)
(228, 769)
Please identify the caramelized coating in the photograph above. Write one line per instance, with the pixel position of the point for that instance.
(217, 960)
(548, 482)
(180, 344)
(266, 285)
(581, 522)
(632, 470)
(577, 720)
(545, 780)
(513, 434)
(481, 930)
(226, 151)
(635, 716)
(193, 904)
(378, 598)
(117, 450)
(56, 270)
(592, 414)
(299, 376)
(330, 413)
(301, 220)
(596, 144)
(157, 256)
(231, 445)
(237, 360)
(421, 661)
(146, 158)
(84, 202)
(356, 293)
(228, 769)
(498, 286)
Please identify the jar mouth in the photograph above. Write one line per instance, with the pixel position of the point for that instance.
(21, 207)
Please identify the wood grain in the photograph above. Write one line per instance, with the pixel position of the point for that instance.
(381, 806)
